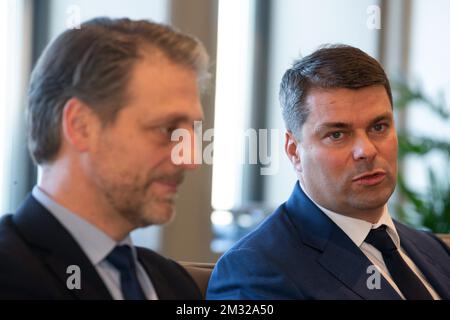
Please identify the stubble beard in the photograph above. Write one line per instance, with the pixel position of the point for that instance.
(133, 200)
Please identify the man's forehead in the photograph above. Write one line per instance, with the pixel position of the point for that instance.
(318, 96)
(348, 105)
(164, 90)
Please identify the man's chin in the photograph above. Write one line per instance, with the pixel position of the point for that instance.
(370, 203)
(161, 213)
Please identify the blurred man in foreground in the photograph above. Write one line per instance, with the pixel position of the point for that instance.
(103, 103)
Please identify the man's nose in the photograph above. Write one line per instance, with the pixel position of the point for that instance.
(364, 148)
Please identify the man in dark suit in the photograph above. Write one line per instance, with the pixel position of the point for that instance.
(334, 237)
(104, 101)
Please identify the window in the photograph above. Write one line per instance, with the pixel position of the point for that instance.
(14, 69)
(4, 5)
(232, 105)
(233, 90)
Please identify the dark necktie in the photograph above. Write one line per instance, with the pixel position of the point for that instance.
(122, 259)
(405, 279)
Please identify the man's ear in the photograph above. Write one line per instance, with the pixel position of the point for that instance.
(78, 124)
(290, 147)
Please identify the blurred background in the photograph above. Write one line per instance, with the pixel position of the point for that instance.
(251, 44)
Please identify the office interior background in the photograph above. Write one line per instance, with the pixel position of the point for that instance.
(251, 44)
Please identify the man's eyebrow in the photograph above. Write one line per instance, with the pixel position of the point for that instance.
(385, 116)
(332, 125)
(342, 125)
(172, 118)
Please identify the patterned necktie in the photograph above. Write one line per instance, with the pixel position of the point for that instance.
(405, 279)
(121, 258)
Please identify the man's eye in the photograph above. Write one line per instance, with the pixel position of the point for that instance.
(167, 131)
(380, 127)
(337, 135)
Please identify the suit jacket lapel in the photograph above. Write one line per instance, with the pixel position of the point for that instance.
(340, 256)
(163, 291)
(58, 249)
(435, 276)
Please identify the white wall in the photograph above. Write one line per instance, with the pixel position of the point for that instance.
(299, 27)
(15, 60)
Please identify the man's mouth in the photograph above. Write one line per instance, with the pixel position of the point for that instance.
(370, 178)
(169, 185)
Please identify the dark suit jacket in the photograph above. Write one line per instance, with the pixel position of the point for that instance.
(299, 253)
(35, 251)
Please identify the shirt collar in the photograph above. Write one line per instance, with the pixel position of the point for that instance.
(94, 242)
(358, 229)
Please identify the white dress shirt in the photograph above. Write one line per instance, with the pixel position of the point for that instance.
(357, 230)
(96, 245)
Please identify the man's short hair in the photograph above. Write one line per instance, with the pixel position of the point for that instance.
(94, 64)
(330, 67)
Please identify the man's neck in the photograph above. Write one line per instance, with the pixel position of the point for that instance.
(372, 216)
(82, 198)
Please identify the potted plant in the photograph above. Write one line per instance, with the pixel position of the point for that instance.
(430, 208)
